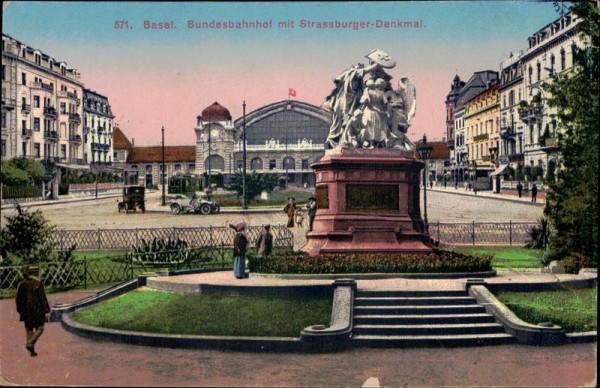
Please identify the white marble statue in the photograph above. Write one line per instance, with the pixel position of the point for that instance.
(367, 111)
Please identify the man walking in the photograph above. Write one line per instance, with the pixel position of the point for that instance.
(520, 189)
(534, 193)
(33, 307)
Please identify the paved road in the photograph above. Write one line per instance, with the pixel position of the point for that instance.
(66, 359)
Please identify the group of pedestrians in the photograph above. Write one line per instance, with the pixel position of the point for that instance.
(534, 191)
(295, 213)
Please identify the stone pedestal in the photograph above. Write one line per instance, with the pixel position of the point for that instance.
(367, 201)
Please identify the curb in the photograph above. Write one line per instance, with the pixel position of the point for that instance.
(59, 201)
(365, 276)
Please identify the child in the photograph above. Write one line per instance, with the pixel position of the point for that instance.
(299, 216)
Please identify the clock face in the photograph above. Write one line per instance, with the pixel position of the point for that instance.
(215, 133)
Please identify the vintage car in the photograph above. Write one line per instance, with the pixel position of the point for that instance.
(181, 203)
(133, 199)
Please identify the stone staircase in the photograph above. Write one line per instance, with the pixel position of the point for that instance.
(423, 319)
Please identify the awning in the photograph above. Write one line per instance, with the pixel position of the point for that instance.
(499, 170)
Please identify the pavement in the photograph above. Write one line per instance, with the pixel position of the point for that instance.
(67, 359)
(505, 195)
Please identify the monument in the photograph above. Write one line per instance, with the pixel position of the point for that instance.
(367, 184)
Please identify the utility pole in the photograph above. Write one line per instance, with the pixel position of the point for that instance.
(163, 202)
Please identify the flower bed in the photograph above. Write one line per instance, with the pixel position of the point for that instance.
(438, 261)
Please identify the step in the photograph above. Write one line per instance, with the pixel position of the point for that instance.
(413, 301)
(408, 294)
(432, 340)
(422, 319)
(429, 329)
(418, 310)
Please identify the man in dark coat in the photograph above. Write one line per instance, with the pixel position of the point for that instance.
(312, 212)
(264, 244)
(33, 307)
(534, 193)
(520, 189)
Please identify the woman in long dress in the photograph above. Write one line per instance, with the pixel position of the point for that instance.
(375, 118)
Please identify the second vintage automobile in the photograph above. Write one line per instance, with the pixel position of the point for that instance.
(181, 203)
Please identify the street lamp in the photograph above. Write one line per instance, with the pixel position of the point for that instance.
(163, 202)
(425, 152)
(244, 201)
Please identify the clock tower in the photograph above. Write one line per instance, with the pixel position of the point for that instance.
(214, 141)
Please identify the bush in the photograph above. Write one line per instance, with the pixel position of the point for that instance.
(539, 235)
(438, 261)
(575, 262)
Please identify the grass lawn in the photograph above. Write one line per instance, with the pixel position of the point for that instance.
(504, 257)
(92, 255)
(175, 313)
(575, 310)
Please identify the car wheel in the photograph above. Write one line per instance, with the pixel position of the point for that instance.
(175, 208)
(205, 209)
(217, 209)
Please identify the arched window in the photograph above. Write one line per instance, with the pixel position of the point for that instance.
(217, 163)
(256, 164)
(289, 163)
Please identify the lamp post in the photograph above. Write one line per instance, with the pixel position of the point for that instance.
(163, 200)
(425, 152)
(209, 172)
(244, 201)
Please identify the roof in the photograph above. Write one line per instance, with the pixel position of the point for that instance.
(478, 82)
(215, 112)
(440, 150)
(120, 141)
(153, 154)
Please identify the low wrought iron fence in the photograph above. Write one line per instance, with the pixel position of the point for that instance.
(200, 237)
(481, 233)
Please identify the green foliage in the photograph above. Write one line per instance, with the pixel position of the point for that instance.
(575, 310)
(572, 197)
(519, 174)
(255, 184)
(160, 251)
(175, 313)
(437, 262)
(539, 235)
(575, 262)
(551, 172)
(523, 104)
(27, 238)
(509, 173)
(21, 172)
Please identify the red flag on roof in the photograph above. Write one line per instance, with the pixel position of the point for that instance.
(291, 92)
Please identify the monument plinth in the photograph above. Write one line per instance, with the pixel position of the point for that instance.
(367, 201)
(367, 184)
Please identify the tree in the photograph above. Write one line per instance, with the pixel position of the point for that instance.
(26, 238)
(21, 172)
(255, 184)
(572, 197)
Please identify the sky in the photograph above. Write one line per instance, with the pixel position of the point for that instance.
(166, 77)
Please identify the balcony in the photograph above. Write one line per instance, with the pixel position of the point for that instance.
(530, 113)
(507, 131)
(50, 112)
(51, 135)
(483, 136)
(27, 132)
(66, 94)
(100, 130)
(8, 104)
(25, 108)
(75, 117)
(486, 158)
(75, 138)
(516, 158)
(41, 85)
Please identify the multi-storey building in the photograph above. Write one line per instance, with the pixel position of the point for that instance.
(482, 130)
(456, 103)
(97, 129)
(41, 106)
(511, 93)
(451, 105)
(550, 51)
